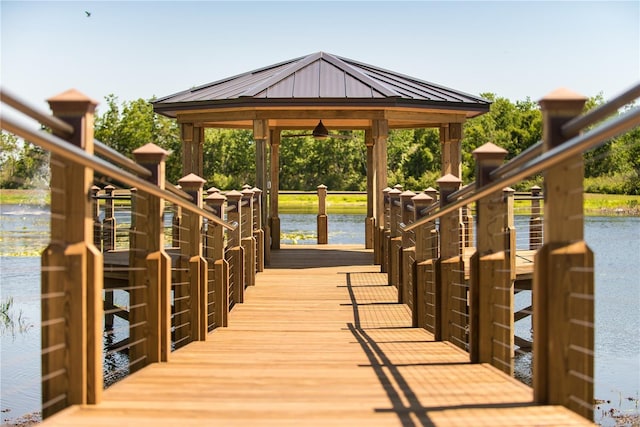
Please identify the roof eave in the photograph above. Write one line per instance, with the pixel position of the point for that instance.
(172, 109)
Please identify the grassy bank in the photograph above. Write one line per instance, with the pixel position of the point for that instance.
(594, 204)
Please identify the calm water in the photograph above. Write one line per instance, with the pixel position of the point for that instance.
(615, 241)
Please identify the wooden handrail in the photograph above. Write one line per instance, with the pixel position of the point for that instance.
(110, 154)
(574, 146)
(62, 148)
(602, 112)
(178, 192)
(42, 117)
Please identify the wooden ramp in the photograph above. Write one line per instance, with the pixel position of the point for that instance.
(318, 346)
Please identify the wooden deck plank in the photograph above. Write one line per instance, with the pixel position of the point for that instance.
(318, 346)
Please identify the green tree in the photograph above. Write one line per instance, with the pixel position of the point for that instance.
(133, 124)
(22, 164)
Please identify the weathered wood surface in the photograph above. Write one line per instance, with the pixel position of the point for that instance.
(318, 346)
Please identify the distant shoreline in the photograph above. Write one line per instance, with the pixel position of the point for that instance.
(594, 204)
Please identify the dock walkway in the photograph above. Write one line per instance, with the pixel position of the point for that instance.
(319, 341)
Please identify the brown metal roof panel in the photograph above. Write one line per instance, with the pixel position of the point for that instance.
(307, 83)
(411, 89)
(356, 89)
(436, 90)
(226, 88)
(332, 81)
(282, 89)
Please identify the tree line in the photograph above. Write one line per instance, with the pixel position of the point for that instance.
(340, 164)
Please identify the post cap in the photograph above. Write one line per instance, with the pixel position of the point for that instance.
(191, 182)
(449, 179)
(71, 103)
(422, 198)
(150, 153)
(563, 100)
(215, 197)
(213, 190)
(489, 151)
(322, 186)
(234, 194)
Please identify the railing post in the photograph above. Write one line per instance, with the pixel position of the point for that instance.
(235, 252)
(215, 252)
(467, 230)
(491, 284)
(384, 232)
(248, 239)
(95, 212)
(407, 252)
(563, 281)
(109, 222)
(420, 202)
(323, 219)
(535, 223)
(451, 292)
(395, 240)
(258, 230)
(72, 273)
(176, 224)
(194, 269)
(435, 233)
(150, 276)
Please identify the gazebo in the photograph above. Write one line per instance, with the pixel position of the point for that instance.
(313, 92)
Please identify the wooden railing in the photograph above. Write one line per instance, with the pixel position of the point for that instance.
(153, 295)
(459, 275)
(456, 271)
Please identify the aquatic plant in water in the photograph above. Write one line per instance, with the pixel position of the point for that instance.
(10, 321)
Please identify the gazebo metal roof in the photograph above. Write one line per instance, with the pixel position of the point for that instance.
(321, 82)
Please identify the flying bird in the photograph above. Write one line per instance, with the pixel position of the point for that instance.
(88, 13)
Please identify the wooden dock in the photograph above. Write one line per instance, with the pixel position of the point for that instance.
(319, 341)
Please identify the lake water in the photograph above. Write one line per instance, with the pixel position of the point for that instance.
(615, 241)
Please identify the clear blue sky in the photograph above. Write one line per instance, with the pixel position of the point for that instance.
(143, 49)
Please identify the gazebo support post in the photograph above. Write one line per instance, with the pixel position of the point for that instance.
(192, 153)
(379, 133)
(370, 221)
(450, 138)
(274, 188)
(261, 137)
